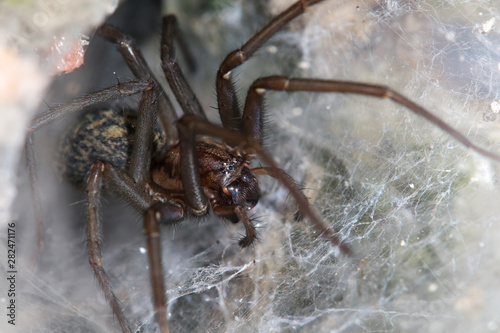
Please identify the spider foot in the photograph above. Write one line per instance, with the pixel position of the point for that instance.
(247, 241)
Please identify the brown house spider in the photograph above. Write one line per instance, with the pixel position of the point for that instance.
(185, 174)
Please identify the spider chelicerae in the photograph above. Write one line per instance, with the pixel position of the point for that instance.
(181, 173)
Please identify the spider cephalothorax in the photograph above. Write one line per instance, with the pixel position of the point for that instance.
(225, 174)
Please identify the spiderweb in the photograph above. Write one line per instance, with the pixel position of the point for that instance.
(418, 210)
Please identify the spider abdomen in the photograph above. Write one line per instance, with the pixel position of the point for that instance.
(106, 135)
(217, 163)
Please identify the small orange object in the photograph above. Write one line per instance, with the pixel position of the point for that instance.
(66, 54)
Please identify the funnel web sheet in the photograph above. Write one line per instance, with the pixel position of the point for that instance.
(419, 211)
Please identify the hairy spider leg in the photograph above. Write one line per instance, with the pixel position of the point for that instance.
(229, 108)
(35, 195)
(250, 231)
(94, 184)
(254, 103)
(190, 171)
(177, 82)
(165, 212)
(115, 92)
(135, 61)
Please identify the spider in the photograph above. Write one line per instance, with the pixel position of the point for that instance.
(184, 171)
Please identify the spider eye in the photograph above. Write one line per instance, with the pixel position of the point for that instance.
(245, 178)
(234, 189)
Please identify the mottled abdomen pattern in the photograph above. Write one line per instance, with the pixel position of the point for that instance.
(106, 135)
